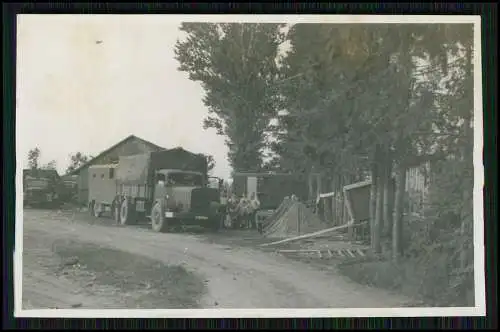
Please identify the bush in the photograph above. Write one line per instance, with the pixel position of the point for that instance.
(442, 244)
(438, 266)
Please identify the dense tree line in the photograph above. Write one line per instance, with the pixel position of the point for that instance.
(76, 160)
(34, 160)
(351, 100)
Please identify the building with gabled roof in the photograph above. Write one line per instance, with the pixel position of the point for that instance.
(131, 145)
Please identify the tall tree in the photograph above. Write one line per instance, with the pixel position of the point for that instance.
(350, 93)
(210, 163)
(76, 160)
(327, 79)
(236, 66)
(34, 158)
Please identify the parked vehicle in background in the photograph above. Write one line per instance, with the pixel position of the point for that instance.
(69, 189)
(270, 189)
(168, 187)
(41, 188)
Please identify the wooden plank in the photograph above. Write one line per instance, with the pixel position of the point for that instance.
(297, 250)
(357, 185)
(350, 253)
(306, 236)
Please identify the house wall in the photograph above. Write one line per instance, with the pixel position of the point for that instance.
(417, 187)
(416, 194)
(126, 149)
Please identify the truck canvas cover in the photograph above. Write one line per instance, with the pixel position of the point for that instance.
(139, 169)
(133, 169)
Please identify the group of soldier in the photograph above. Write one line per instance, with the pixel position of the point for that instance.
(241, 211)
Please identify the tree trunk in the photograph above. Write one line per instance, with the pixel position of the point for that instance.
(378, 225)
(388, 198)
(318, 185)
(321, 205)
(381, 189)
(328, 206)
(343, 212)
(397, 226)
(373, 200)
(311, 187)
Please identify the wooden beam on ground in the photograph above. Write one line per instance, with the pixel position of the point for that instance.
(306, 236)
(298, 250)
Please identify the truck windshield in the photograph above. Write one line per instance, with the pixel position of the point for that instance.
(184, 179)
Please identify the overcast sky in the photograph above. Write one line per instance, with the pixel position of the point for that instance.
(76, 95)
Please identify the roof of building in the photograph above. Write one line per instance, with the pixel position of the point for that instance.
(49, 173)
(125, 140)
(104, 166)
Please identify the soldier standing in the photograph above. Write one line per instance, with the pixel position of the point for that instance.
(233, 210)
(244, 209)
(255, 204)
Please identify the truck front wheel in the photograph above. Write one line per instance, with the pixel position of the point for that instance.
(158, 221)
(126, 213)
(216, 224)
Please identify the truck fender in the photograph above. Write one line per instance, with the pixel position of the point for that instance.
(158, 201)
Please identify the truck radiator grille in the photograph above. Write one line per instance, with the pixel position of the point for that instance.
(201, 198)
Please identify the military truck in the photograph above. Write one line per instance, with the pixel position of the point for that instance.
(269, 187)
(168, 187)
(69, 192)
(41, 187)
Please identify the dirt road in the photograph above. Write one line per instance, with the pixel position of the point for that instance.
(234, 277)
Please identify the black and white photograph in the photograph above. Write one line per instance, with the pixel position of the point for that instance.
(249, 166)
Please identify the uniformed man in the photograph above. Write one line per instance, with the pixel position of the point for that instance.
(232, 205)
(245, 211)
(255, 205)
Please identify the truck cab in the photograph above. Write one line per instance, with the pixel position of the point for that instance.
(185, 197)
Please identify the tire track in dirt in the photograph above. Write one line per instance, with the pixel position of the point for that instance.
(236, 278)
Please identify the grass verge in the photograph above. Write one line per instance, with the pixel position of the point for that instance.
(425, 285)
(143, 282)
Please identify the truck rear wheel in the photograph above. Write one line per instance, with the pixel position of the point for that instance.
(126, 213)
(97, 209)
(158, 220)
